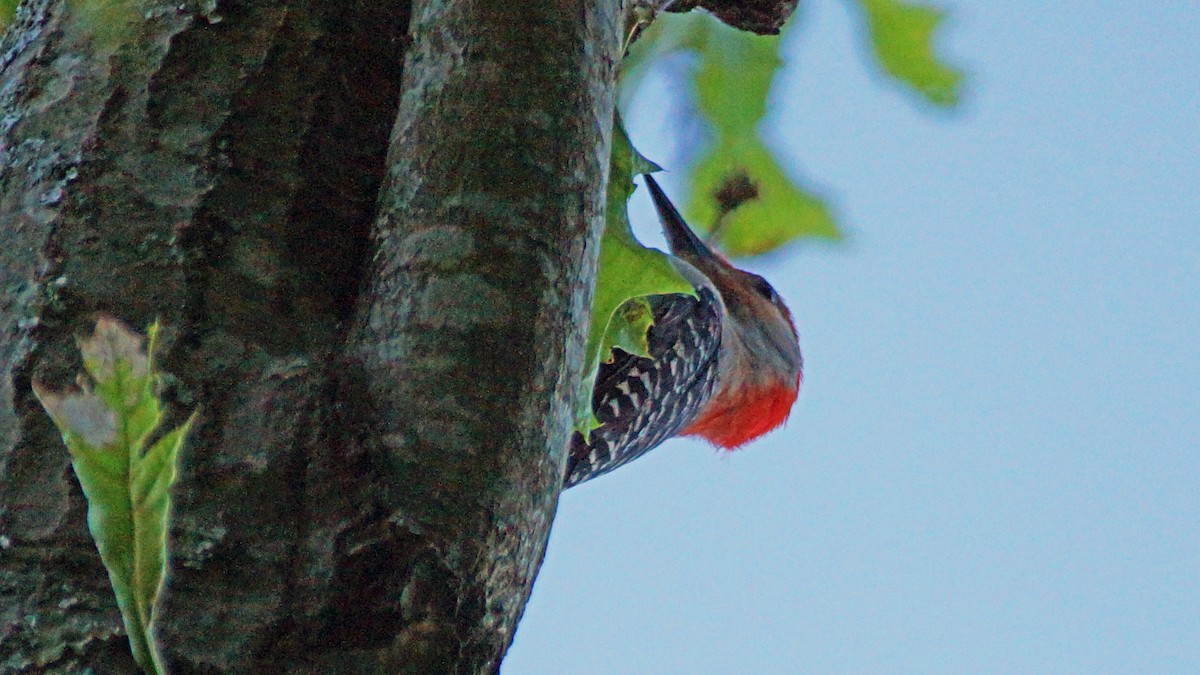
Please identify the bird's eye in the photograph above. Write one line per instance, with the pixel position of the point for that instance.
(763, 288)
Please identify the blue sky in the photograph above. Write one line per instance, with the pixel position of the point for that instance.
(995, 461)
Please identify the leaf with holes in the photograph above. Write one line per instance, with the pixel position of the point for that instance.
(775, 210)
(628, 272)
(107, 422)
(732, 81)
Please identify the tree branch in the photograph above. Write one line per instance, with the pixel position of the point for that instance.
(765, 17)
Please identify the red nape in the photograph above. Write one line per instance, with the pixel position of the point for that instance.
(735, 420)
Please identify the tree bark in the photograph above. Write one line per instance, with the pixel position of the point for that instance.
(384, 392)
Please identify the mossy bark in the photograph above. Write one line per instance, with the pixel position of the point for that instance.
(382, 331)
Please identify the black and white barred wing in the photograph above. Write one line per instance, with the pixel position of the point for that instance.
(641, 402)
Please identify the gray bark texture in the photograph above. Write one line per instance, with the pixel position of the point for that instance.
(370, 230)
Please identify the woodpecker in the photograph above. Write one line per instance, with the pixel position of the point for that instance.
(724, 365)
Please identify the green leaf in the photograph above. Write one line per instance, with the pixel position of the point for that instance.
(629, 330)
(107, 21)
(902, 34)
(8, 10)
(781, 212)
(733, 82)
(627, 272)
(106, 424)
(734, 78)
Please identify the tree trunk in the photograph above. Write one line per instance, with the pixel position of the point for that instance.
(383, 335)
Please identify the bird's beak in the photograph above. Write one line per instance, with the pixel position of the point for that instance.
(683, 242)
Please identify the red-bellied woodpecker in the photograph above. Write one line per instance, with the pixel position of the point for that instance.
(724, 365)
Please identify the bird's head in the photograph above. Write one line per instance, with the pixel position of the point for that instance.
(760, 366)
